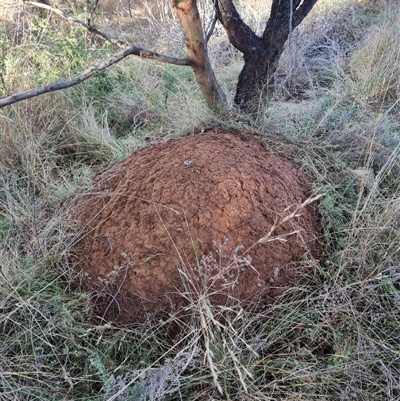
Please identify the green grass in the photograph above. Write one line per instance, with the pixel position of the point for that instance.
(334, 337)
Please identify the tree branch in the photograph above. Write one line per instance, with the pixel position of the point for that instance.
(239, 33)
(89, 20)
(211, 26)
(132, 50)
(47, 6)
(279, 19)
(303, 11)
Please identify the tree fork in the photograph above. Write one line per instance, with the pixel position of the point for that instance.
(261, 54)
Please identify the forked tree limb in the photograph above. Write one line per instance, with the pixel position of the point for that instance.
(302, 11)
(127, 51)
(239, 33)
(280, 14)
(261, 54)
(132, 50)
(243, 37)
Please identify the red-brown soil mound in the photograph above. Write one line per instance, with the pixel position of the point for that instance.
(206, 210)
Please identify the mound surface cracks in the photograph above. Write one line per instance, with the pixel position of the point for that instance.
(204, 211)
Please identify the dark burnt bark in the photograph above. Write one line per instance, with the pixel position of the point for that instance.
(261, 54)
(257, 73)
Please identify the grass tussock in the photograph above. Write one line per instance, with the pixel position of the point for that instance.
(334, 337)
(374, 67)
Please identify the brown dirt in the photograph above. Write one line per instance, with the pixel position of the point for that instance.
(193, 211)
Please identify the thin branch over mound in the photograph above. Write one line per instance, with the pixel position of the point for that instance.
(47, 6)
(132, 50)
(128, 50)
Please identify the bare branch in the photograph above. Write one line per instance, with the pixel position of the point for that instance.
(132, 50)
(302, 11)
(211, 26)
(89, 20)
(47, 6)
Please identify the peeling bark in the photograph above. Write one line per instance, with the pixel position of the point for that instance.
(196, 49)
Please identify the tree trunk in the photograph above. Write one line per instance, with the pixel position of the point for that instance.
(258, 70)
(196, 48)
(261, 54)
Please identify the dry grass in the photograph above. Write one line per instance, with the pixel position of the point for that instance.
(335, 337)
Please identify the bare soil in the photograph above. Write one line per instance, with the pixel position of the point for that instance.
(201, 214)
